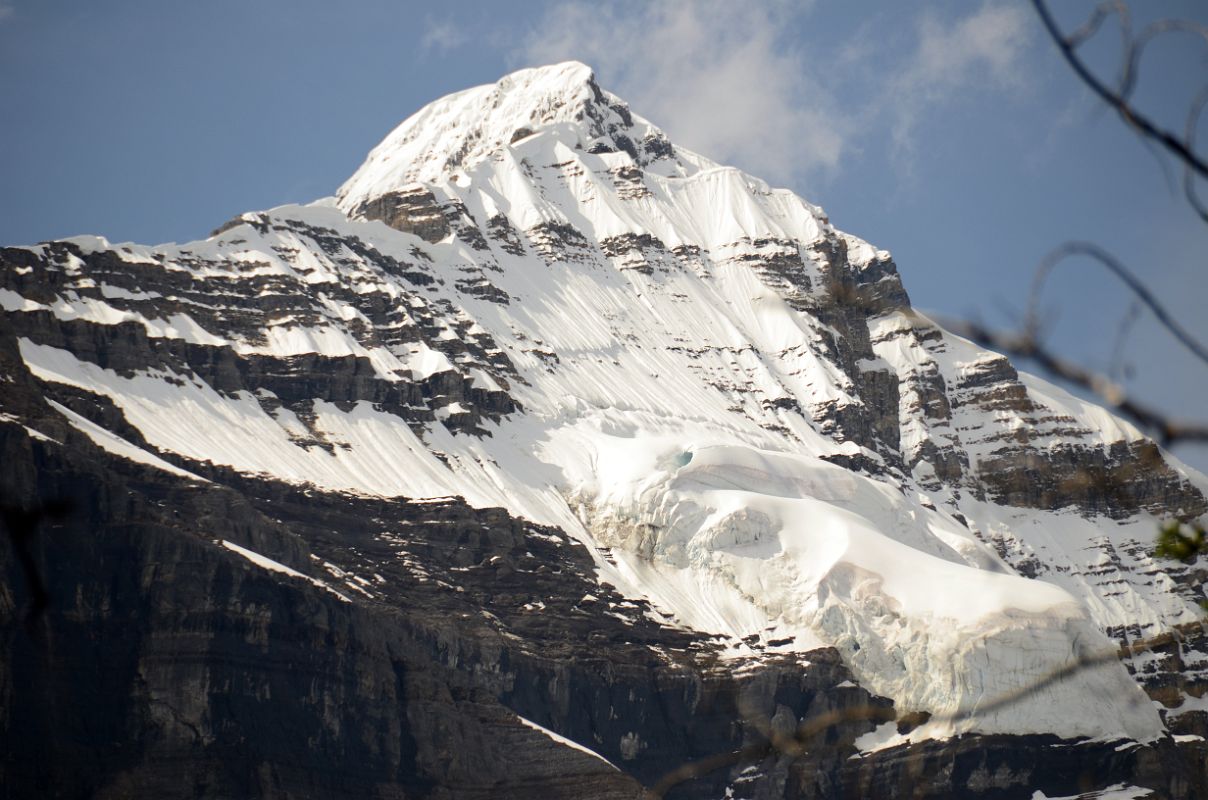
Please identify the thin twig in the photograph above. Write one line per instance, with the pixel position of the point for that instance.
(1096, 19)
(1134, 284)
(1193, 121)
(797, 744)
(1160, 426)
(1135, 48)
(1118, 368)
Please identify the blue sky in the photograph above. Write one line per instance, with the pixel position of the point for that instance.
(950, 133)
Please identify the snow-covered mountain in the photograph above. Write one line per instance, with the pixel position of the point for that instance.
(528, 298)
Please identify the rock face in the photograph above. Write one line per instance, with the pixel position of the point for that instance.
(550, 459)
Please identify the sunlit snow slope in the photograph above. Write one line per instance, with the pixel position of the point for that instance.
(529, 297)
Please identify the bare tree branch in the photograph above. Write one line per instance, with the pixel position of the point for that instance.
(1130, 73)
(1118, 99)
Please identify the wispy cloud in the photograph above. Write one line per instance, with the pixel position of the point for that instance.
(718, 76)
(723, 78)
(980, 51)
(7, 10)
(442, 35)
(754, 85)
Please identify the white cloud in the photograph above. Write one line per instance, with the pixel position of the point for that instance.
(730, 80)
(442, 35)
(991, 37)
(6, 11)
(716, 75)
(979, 51)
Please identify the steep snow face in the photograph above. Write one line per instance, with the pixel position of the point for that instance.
(528, 297)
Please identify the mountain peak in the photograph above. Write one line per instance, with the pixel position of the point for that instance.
(456, 132)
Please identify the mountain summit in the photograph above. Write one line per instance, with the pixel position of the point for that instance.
(562, 455)
(457, 132)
